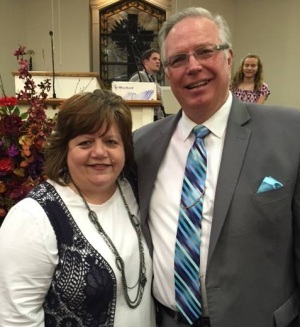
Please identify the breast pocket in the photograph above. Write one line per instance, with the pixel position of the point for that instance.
(272, 195)
(275, 203)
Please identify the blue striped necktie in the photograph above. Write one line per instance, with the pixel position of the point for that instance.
(187, 247)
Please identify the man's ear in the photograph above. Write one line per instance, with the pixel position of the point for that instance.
(230, 58)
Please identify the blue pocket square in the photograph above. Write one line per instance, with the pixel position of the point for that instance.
(268, 184)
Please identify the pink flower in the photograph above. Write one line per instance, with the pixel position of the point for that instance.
(19, 52)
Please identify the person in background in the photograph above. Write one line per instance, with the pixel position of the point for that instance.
(247, 83)
(151, 65)
(219, 190)
(72, 252)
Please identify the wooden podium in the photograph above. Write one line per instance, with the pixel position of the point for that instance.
(70, 83)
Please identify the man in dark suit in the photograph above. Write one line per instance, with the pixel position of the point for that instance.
(250, 227)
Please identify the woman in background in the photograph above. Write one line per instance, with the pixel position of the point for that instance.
(72, 252)
(247, 83)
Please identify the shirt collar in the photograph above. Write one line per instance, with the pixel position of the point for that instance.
(216, 123)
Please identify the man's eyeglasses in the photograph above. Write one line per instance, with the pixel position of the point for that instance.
(204, 52)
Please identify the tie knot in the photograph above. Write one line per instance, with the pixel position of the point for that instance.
(200, 131)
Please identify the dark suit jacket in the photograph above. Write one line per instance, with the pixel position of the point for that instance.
(253, 270)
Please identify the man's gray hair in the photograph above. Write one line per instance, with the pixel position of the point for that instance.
(224, 32)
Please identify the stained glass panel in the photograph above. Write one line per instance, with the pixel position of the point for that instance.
(127, 29)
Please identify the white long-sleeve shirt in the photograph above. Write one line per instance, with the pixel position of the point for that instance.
(28, 257)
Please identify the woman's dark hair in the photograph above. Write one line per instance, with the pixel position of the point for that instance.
(86, 113)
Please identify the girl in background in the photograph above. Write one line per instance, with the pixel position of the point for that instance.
(247, 83)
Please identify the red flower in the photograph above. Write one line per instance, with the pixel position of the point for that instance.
(6, 165)
(8, 101)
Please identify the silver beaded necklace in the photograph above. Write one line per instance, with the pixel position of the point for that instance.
(142, 279)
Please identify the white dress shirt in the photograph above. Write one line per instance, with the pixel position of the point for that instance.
(165, 201)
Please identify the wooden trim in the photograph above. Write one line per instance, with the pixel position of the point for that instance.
(143, 103)
(63, 74)
(54, 102)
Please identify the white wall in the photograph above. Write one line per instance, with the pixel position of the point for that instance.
(12, 33)
(70, 26)
(28, 22)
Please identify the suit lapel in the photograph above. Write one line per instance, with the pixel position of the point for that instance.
(235, 146)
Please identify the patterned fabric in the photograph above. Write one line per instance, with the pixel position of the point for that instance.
(187, 248)
(251, 96)
(83, 289)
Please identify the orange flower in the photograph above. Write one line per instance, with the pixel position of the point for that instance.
(27, 161)
(2, 187)
(26, 144)
(34, 130)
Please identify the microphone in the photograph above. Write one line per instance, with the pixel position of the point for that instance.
(135, 52)
(53, 70)
(132, 39)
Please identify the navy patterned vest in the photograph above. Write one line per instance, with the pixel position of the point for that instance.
(83, 288)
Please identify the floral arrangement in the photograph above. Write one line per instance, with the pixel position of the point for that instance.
(22, 137)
